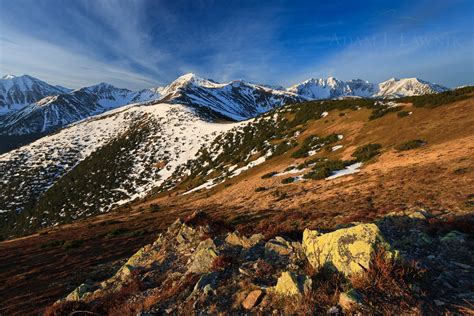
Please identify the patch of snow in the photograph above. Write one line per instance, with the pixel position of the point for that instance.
(351, 169)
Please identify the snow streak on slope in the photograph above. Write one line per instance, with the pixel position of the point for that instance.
(107, 159)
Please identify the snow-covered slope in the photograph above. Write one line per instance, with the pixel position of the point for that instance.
(88, 166)
(53, 112)
(237, 100)
(17, 92)
(331, 88)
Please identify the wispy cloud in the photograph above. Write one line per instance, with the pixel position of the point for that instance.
(141, 43)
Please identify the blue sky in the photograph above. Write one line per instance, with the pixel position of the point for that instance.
(138, 44)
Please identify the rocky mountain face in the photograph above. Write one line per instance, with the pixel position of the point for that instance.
(17, 92)
(54, 112)
(235, 100)
(199, 265)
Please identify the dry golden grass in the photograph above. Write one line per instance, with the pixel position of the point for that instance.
(438, 176)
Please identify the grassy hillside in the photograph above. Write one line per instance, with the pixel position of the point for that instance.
(398, 175)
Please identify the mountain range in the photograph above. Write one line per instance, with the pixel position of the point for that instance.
(31, 106)
(125, 144)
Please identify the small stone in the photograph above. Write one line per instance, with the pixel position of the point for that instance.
(453, 237)
(207, 289)
(438, 302)
(462, 265)
(333, 311)
(351, 300)
(206, 280)
(252, 299)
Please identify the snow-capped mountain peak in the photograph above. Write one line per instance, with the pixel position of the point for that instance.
(407, 87)
(8, 76)
(321, 88)
(392, 88)
(19, 91)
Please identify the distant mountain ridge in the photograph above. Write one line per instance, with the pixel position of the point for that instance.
(331, 88)
(54, 107)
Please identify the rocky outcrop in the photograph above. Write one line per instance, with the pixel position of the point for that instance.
(193, 269)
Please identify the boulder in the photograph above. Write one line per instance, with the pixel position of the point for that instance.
(252, 299)
(203, 258)
(186, 234)
(292, 284)
(347, 250)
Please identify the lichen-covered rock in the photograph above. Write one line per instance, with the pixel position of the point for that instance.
(206, 281)
(80, 292)
(292, 284)
(421, 215)
(203, 259)
(235, 240)
(453, 237)
(347, 250)
(278, 246)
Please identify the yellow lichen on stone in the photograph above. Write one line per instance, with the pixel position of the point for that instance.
(347, 250)
(291, 284)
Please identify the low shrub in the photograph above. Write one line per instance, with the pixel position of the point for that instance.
(116, 232)
(72, 244)
(53, 243)
(324, 168)
(412, 144)
(154, 207)
(437, 99)
(403, 114)
(260, 189)
(269, 175)
(288, 180)
(387, 284)
(382, 111)
(367, 152)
